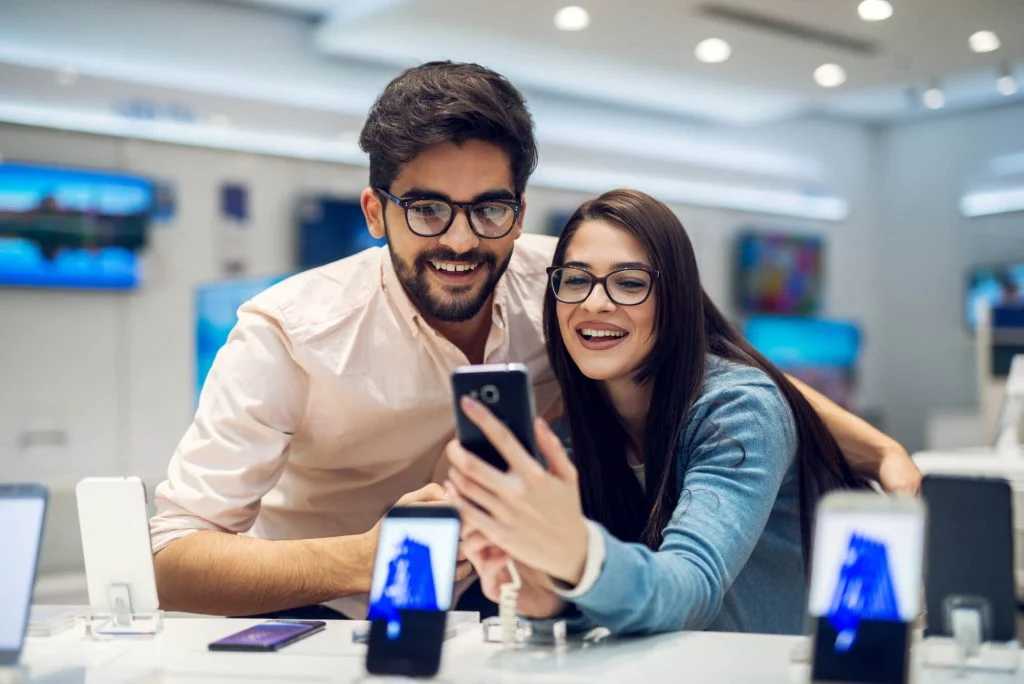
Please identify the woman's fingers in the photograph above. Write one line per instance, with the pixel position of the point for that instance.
(482, 472)
(478, 495)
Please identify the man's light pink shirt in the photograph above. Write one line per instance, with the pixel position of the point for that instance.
(332, 398)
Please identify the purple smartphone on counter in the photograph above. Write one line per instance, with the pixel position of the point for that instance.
(268, 636)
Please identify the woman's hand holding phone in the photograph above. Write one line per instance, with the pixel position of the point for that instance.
(534, 515)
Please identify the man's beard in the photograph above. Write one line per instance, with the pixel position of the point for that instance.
(455, 308)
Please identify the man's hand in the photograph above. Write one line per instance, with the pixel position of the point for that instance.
(429, 494)
(897, 473)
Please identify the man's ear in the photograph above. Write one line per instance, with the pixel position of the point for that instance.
(522, 215)
(373, 211)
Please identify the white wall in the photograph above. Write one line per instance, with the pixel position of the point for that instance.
(924, 250)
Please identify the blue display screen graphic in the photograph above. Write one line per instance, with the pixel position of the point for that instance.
(414, 569)
(864, 590)
(409, 584)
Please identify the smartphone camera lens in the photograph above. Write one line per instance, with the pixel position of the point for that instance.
(489, 394)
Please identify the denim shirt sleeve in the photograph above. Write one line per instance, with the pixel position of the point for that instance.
(734, 454)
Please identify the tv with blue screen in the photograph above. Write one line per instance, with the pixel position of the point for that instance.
(1001, 285)
(63, 227)
(330, 228)
(821, 352)
(216, 306)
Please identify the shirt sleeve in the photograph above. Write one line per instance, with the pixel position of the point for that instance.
(234, 452)
(736, 459)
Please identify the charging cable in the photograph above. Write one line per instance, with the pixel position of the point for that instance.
(507, 599)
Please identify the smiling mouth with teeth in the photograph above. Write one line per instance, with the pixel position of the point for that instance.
(591, 334)
(451, 267)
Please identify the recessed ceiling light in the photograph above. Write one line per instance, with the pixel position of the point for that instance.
(830, 75)
(572, 18)
(874, 10)
(934, 98)
(1007, 85)
(712, 50)
(984, 41)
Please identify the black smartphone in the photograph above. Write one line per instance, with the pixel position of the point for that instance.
(970, 553)
(411, 590)
(865, 586)
(505, 389)
(268, 636)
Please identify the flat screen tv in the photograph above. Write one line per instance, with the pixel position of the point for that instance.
(216, 306)
(778, 273)
(1001, 285)
(64, 227)
(330, 228)
(821, 352)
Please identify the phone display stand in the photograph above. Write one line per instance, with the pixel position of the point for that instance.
(122, 620)
(969, 619)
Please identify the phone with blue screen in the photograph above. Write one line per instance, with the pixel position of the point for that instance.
(268, 636)
(411, 590)
(866, 586)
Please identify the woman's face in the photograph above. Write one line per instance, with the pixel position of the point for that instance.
(608, 341)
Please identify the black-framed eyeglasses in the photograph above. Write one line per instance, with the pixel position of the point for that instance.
(624, 286)
(430, 217)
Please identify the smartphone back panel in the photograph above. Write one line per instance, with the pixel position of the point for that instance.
(115, 541)
(970, 550)
(503, 388)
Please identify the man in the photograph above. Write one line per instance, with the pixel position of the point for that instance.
(331, 399)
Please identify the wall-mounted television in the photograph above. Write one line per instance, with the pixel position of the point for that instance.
(216, 306)
(778, 273)
(821, 352)
(330, 228)
(1001, 285)
(65, 227)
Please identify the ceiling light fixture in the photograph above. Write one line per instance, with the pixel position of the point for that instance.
(830, 75)
(67, 76)
(712, 50)
(984, 41)
(1006, 84)
(572, 18)
(874, 10)
(934, 98)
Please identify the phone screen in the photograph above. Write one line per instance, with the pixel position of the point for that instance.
(413, 581)
(865, 590)
(266, 635)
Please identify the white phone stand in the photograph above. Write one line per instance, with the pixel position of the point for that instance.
(122, 620)
(968, 651)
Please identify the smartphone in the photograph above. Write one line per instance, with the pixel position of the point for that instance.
(268, 636)
(970, 553)
(22, 515)
(114, 523)
(506, 390)
(411, 590)
(866, 579)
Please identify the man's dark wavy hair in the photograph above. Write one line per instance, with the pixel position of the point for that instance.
(440, 102)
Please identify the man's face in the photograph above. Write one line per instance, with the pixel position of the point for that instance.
(449, 277)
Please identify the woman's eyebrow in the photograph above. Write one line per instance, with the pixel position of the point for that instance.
(615, 266)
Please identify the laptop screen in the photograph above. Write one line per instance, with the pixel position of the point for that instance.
(21, 519)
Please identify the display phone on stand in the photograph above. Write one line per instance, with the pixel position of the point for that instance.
(411, 590)
(268, 636)
(505, 389)
(118, 555)
(865, 590)
(970, 556)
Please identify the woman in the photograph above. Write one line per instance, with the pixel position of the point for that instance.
(697, 463)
